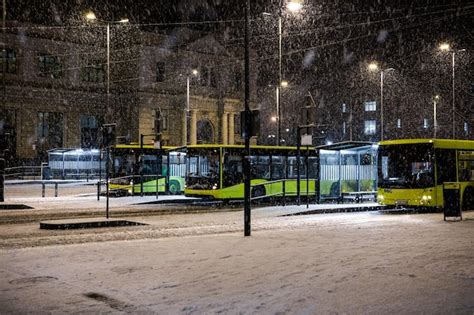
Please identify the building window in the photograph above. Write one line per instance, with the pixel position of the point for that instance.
(369, 127)
(343, 127)
(89, 132)
(425, 123)
(344, 108)
(160, 120)
(237, 124)
(50, 130)
(237, 81)
(205, 76)
(49, 66)
(9, 57)
(399, 123)
(160, 71)
(370, 106)
(93, 72)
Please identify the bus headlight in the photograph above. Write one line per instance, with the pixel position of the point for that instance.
(214, 186)
(426, 199)
(380, 198)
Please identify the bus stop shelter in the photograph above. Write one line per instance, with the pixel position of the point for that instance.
(347, 171)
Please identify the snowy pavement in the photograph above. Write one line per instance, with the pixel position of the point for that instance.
(334, 263)
(200, 263)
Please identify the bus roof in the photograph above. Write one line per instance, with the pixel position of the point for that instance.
(437, 143)
(239, 146)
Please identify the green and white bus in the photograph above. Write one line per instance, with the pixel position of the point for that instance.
(216, 171)
(411, 172)
(149, 168)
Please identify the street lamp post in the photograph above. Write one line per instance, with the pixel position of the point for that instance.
(373, 67)
(446, 47)
(185, 123)
(92, 17)
(293, 6)
(435, 121)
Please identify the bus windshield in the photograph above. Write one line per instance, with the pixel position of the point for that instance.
(406, 166)
(202, 169)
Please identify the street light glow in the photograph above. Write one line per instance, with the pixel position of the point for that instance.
(90, 16)
(195, 72)
(274, 118)
(284, 84)
(436, 97)
(294, 5)
(373, 66)
(124, 20)
(444, 47)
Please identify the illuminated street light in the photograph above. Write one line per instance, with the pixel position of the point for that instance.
(274, 119)
(284, 84)
(294, 6)
(374, 67)
(447, 48)
(90, 16)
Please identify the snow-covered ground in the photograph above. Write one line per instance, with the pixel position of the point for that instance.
(332, 263)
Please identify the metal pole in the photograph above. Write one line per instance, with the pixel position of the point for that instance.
(435, 122)
(142, 164)
(246, 160)
(4, 50)
(107, 182)
(298, 156)
(381, 105)
(186, 113)
(277, 91)
(454, 108)
(108, 59)
(279, 74)
(100, 174)
(307, 177)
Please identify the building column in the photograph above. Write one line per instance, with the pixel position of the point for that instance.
(192, 127)
(224, 128)
(231, 128)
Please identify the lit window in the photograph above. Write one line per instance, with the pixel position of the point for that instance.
(369, 127)
(344, 108)
(425, 123)
(370, 106)
(399, 123)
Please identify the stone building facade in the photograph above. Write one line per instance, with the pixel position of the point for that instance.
(57, 94)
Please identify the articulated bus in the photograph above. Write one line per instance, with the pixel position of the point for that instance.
(216, 171)
(161, 169)
(411, 172)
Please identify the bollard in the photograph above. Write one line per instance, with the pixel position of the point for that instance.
(43, 189)
(98, 190)
(55, 189)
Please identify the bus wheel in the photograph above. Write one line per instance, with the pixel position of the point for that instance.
(468, 199)
(174, 188)
(258, 191)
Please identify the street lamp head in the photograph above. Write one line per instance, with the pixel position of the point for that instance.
(436, 97)
(373, 66)
(274, 119)
(124, 20)
(90, 16)
(444, 47)
(195, 72)
(294, 5)
(284, 84)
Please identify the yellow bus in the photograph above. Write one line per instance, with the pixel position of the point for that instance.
(411, 172)
(216, 171)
